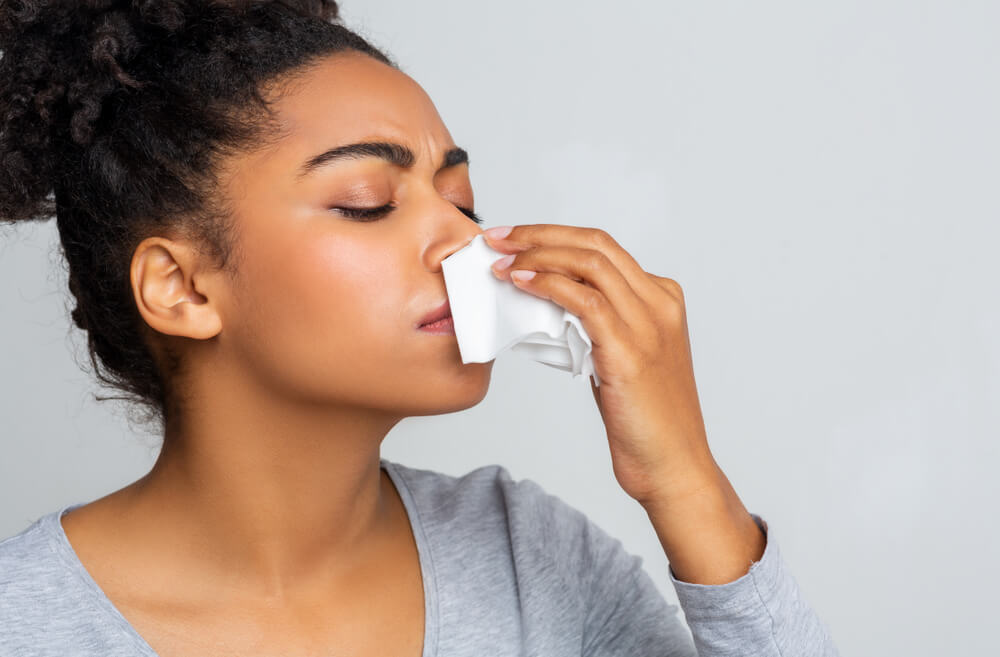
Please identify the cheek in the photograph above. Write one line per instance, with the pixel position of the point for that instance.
(358, 284)
(345, 288)
(324, 309)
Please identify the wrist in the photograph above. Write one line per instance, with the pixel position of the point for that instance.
(698, 480)
(707, 534)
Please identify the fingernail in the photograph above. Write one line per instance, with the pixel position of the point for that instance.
(498, 232)
(521, 275)
(504, 262)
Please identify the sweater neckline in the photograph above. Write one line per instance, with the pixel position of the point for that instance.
(63, 549)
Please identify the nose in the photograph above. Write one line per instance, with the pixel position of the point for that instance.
(454, 234)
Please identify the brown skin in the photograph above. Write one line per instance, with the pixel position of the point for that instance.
(648, 400)
(266, 513)
(272, 528)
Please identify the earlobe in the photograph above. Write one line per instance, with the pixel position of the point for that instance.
(163, 277)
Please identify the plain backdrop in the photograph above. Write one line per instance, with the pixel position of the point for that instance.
(821, 178)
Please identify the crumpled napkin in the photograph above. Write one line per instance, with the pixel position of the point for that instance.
(491, 315)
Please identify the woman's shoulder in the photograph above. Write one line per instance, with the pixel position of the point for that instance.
(489, 501)
(33, 576)
(484, 488)
(508, 545)
(27, 550)
(47, 605)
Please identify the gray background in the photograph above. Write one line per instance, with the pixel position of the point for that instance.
(822, 181)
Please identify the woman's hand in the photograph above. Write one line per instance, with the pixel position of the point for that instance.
(638, 328)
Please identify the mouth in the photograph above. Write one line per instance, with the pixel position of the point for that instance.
(442, 327)
(438, 319)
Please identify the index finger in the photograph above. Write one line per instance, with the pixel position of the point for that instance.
(525, 236)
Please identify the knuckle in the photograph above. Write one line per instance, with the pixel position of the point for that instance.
(593, 301)
(670, 285)
(602, 239)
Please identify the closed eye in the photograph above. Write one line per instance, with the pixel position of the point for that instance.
(471, 215)
(367, 214)
(373, 214)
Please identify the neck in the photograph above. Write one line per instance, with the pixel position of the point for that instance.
(265, 494)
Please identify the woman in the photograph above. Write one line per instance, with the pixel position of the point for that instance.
(254, 203)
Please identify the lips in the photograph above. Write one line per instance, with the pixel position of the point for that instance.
(442, 311)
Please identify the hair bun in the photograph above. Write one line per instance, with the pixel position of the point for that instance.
(115, 116)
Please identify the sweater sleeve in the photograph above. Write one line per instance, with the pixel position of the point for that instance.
(605, 592)
(763, 613)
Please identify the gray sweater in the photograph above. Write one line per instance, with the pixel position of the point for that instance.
(508, 569)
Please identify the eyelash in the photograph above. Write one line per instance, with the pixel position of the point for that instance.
(374, 214)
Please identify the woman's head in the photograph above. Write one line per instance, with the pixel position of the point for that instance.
(169, 139)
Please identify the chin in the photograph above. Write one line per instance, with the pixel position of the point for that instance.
(453, 393)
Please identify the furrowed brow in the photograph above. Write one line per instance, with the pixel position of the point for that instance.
(396, 154)
(454, 157)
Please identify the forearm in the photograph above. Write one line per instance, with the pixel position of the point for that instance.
(709, 537)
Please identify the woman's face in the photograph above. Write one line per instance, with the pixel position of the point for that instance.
(326, 306)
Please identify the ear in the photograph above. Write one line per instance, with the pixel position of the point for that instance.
(174, 292)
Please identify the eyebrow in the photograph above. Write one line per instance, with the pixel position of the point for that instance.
(391, 152)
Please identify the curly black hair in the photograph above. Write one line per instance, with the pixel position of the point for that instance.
(115, 116)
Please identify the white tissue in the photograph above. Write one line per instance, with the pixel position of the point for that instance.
(492, 315)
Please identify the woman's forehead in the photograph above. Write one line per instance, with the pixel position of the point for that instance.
(347, 99)
(351, 97)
